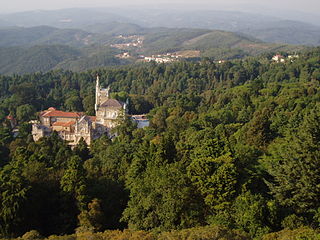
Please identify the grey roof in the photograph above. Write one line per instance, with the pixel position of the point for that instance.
(112, 103)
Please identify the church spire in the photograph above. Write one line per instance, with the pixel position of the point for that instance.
(98, 81)
(97, 93)
(108, 92)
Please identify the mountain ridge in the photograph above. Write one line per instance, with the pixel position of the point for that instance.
(43, 48)
(234, 21)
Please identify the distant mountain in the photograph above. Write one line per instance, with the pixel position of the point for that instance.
(115, 28)
(4, 24)
(102, 34)
(289, 32)
(266, 28)
(43, 35)
(63, 18)
(216, 20)
(259, 7)
(93, 57)
(20, 60)
(38, 58)
(169, 39)
(213, 44)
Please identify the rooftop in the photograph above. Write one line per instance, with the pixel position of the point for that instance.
(112, 103)
(52, 112)
(141, 117)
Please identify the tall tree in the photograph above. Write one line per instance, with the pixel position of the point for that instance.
(13, 196)
(294, 162)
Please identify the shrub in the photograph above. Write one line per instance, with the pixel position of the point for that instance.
(204, 233)
(128, 235)
(292, 222)
(65, 237)
(304, 233)
(32, 235)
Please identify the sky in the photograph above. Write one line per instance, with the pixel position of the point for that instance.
(311, 6)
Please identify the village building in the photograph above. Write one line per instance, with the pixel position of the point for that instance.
(72, 126)
(278, 58)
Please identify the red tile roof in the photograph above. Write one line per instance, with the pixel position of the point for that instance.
(52, 112)
(10, 117)
(92, 118)
(64, 124)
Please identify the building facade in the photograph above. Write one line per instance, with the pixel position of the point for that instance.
(108, 110)
(72, 126)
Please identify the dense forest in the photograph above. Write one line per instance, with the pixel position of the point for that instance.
(232, 152)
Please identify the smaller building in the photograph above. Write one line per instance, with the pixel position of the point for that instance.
(141, 120)
(278, 58)
(12, 121)
(71, 126)
(54, 117)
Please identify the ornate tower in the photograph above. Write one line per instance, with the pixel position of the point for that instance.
(107, 110)
(102, 95)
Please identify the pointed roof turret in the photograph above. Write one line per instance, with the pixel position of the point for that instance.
(98, 81)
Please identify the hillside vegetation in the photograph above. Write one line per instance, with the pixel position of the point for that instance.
(38, 58)
(203, 233)
(43, 35)
(20, 60)
(115, 28)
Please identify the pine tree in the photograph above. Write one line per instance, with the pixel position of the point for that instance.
(294, 164)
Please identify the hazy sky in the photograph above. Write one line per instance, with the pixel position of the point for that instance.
(311, 6)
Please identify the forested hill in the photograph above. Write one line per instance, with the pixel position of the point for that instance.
(211, 43)
(43, 35)
(44, 48)
(231, 146)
